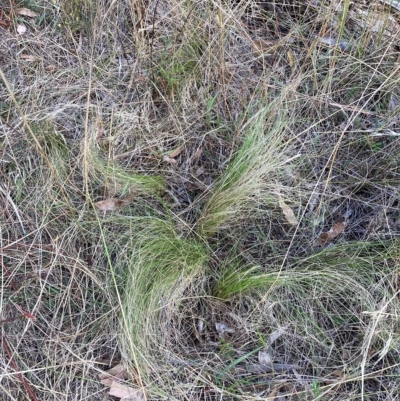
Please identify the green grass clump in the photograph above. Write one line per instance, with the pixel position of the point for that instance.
(162, 266)
(236, 279)
(116, 179)
(253, 169)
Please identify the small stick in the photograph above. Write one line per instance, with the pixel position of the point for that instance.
(15, 367)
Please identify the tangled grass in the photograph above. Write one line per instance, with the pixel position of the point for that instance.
(227, 136)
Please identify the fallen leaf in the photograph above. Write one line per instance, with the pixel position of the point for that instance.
(21, 29)
(223, 328)
(117, 372)
(175, 152)
(264, 357)
(200, 326)
(167, 159)
(28, 57)
(328, 236)
(288, 212)
(277, 333)
(125, 393)
(109, 204)
(291, 59)
(26, 12)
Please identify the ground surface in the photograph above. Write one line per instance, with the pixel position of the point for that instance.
(203, 193)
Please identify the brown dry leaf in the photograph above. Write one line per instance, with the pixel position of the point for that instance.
(28, 57)
(117, 372)
(21, 29)
(175, 152)
(288, 212)
(291, 59)
(328, 236)
(26, 12)
(125, 393)
(109, 204)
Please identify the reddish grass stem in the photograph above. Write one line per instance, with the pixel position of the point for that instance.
(4, 344)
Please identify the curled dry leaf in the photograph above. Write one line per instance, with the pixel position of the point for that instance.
(21, 29)
(288, 212)
(328, 236)
(26, 12)
(109, 204)
(175, 152)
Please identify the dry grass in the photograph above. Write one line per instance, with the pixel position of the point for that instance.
(201, 118)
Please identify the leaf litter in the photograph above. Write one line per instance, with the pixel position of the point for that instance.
(288, 213)
(328, 236)
(26, 12)
(111, 204)
(222, 328)
(21, 29)
(265, 356)
(113, 377)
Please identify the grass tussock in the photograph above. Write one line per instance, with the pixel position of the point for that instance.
(228, 136)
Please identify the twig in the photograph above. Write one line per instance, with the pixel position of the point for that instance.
(7, 348)
(12, 284)
(15, 367)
